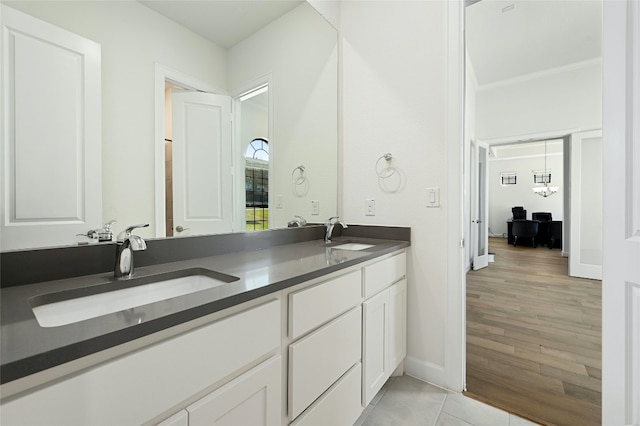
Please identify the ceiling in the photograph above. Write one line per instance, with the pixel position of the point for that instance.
(224, 22)
(509, 39)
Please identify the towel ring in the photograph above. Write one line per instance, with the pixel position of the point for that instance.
(297, 175)
(387, 171)
(299, 182)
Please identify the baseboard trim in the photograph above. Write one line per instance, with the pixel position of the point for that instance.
(425, 371)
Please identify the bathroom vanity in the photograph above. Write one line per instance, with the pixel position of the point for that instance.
(298, 333)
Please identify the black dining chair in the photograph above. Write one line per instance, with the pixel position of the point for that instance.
(519, 213)
(527, 229)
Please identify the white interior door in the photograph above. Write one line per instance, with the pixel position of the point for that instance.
(585, 246)
(480, 204)
(621, 263)
(202, 163)
(51, 134)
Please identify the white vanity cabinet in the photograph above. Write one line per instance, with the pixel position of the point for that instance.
(348, 336)
(384, 323)
(325, 324)
(313, 354)
(142, 385)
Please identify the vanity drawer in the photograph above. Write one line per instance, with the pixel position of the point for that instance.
(339, 405)
(381, 275)
(319, 359)
(314, 306)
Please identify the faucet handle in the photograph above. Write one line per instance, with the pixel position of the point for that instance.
(332, 220)
(127, 232)
(105, 234)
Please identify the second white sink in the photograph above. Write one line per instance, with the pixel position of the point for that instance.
(77, 309)
(353, 246)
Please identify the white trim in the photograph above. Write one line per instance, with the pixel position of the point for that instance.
(532, 137)
(425, 371)
(515, 157)
(455, 326)
(540, 74)
(162, 74)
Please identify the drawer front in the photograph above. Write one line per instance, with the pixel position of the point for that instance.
(319, 359)
(254, 398)
(172, 371)
(381, 275)
(317, 305)
(340, 405)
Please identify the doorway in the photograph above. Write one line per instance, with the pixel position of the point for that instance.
(193, 128)
(255, 150)
(530, 89)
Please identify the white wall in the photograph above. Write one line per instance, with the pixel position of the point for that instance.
(394, 100)
(503, 198)
(303, 68)
(133, 38)
(567, 98)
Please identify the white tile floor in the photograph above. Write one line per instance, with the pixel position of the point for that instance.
(405, 401)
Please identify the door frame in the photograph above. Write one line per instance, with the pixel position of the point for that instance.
(163, 74)
(621, 214)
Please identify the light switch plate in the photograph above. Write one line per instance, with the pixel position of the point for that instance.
(279, 202)
(433, 197)
(315, 207)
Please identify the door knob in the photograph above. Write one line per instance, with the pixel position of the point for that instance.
(179, 228)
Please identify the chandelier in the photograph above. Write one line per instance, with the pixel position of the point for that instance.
(545, 190)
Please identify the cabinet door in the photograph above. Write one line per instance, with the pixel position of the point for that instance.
(375, 345)
(181, 418)
(398, 324)
(254, 398)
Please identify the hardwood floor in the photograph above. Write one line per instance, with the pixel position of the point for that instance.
(534, 337)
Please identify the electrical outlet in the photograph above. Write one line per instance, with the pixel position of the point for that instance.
(370, 207)
(315, 207)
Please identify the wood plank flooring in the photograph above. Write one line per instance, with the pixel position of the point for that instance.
(534, 337)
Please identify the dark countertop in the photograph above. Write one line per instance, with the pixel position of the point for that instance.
(27, 348)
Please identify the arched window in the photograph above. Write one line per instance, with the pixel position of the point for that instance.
(257, 184)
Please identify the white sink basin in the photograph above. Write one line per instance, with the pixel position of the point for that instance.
(77, 309)
(353, 246)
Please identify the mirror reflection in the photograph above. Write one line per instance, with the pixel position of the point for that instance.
(278, 78)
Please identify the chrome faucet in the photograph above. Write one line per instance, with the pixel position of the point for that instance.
(330, 223)
(127, 243)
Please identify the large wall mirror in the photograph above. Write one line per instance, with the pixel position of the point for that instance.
(275, 63)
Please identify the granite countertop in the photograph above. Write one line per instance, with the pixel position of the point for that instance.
(28, 348)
